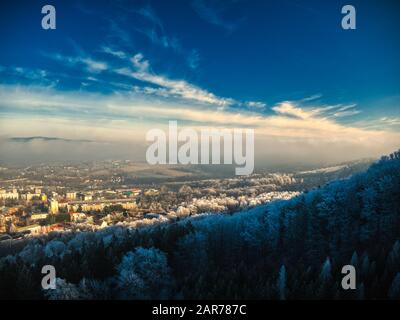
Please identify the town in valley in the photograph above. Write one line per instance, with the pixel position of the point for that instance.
(39, 199)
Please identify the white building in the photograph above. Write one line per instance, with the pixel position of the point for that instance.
(9, 195)
(39, 216)
(53, 206)
(71, 195)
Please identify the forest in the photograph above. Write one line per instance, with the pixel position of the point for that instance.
(286, 249)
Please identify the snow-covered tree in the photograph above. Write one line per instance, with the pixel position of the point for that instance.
(281, 283)
(144, 274)
(326, 271)
(394, 291)
(63, 291)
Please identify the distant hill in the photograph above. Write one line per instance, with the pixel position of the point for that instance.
(292, 249)
(30, 139)
(321, 176)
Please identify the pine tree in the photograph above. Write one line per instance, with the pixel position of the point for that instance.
(393, 261)
(361, 292)
(63, 291)
(326, 271)
(354, 260)
(281, 283)
(394, 291)
(325, 279)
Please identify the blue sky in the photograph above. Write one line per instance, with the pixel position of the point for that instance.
(286, 66)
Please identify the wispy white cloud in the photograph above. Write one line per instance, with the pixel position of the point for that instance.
(310, 106)
(115, 53)
(90, 64)
(295, 109)
(255, 105)
(119, 35)
(390, 121)
(34, 74)
(149, 13)
(140, 69)
(291, 110)
(346, 113)
(191, 57)
(179, 88)
(39, 76)
(339, 111)
(213, 15)
(347, 107)
(161, 39)
(312, 97)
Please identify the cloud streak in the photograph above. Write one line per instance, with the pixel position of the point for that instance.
(213, 15)
(90, 64)
(178, 88)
